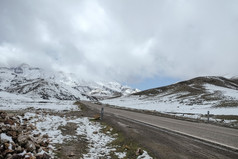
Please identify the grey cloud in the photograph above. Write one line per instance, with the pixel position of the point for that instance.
(122, 40)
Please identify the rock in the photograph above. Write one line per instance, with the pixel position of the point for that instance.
(36, 135)
(3, 114)
(13, 134)
(22, 139)
(45, 149)
(6, 145)
(96, 117)
(71, 154)
(44, 143)
(13, 145)
(9, 156)
(15, 156)
(30, 146)
(29, 156)
(39, 150)
(139, 152)
(44, 156)
(37, 146)
(126, 147)
(9, 121)
(4, 129)
(95, 132)
(39, 156)
(45, 136)
(32, 127)
(2, 120)
(19, 149)
(28, 129)
(6, 152)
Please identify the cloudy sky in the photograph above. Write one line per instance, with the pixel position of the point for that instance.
(143, 43)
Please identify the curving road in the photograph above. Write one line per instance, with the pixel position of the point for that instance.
(223, 136)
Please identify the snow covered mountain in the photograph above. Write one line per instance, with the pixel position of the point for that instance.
(39, 83)
(218, 95)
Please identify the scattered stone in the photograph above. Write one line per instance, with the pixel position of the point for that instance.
(36, 135)
(19, 149)
(96, 117)
(71, 154)
(3, 114)
(22, 139)
(126, 147)
(46, 156)
(95, 132)
(45, 136)
(30, 146)
(9, 156)
(15, 156)
(139, 152)
(9, 121)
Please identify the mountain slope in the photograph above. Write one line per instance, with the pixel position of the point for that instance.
(198, 91)
(198, 95)
(38, 83)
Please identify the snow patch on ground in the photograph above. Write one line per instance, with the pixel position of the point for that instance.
(4, 136)
(120, 154)
(145, 155)
(98, 141)
(17, 102)
(165, 105)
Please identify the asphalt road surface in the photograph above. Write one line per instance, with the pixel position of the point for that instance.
(217, 135)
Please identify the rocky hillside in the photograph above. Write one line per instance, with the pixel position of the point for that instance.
(218, 95)
(201, 90)
(39, 83)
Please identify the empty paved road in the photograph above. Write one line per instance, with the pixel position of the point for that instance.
(227, 137)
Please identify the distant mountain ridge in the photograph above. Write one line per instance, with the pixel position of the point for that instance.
(198, 95)
(198, 90)
(39, 83)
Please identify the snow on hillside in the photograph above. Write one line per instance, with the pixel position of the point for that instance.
(39, 83)
(186, 97)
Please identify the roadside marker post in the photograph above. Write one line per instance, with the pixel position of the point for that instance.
(102, 111)
(208, 116)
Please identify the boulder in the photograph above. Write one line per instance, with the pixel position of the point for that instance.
(22, 139)
(44, 156)
(46, 136)
(15, 156)
(139, 152)
(19, 149)
(9, 121)
(30, 146)
(71, 154)
(3, 114)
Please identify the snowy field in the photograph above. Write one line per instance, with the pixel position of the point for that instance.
(165, 105)
(169, 103)
(46, 124)
(10, 101)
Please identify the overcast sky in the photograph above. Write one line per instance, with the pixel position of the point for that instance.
(129, 41)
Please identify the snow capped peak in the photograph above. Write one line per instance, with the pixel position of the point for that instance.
(24, 66)
(37, 82)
